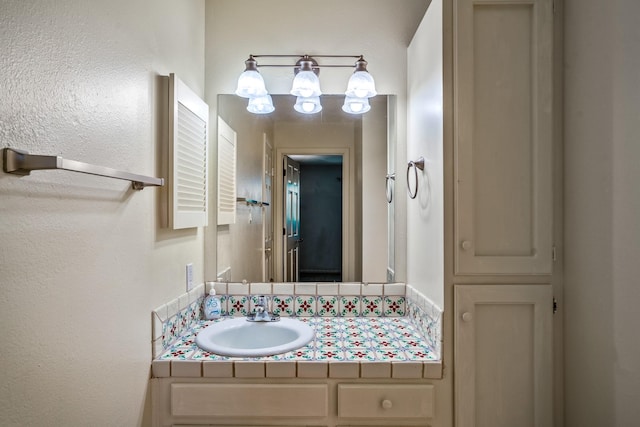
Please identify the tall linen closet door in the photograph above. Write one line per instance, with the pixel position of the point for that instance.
(503, 137)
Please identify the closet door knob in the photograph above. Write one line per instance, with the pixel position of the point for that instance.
(467, 317)
(387, 404)
(466, 245)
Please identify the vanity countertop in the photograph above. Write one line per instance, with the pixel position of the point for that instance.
(343, 347)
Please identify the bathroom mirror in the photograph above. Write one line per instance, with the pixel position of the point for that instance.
(327, 218)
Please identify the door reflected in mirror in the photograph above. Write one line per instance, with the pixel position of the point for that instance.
(308, 187)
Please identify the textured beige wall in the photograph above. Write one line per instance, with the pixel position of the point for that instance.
(82, 259)
(602, 207)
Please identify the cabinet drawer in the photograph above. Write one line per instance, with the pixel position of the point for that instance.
(249, 400)
(385, 401)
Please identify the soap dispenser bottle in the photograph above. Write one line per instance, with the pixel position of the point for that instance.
(212, 305)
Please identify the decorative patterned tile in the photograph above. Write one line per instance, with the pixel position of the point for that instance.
(420, 354)
(177, 354)
(184, 320)
(169, 333)
(389, 354)
(205, 355)
(305, 305)
(350, 306)
(329, 354)
(385, 342)
(224, 311)
(304, 353)
(360, 354)
(282, 305)
(325, 345)
(327, 306)
(356, 343)
(371, 306)
(313, 320)
(394, 306)
(329, 334)
(238, 305)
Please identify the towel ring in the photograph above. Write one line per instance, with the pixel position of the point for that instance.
(389, 189)
(418, 164)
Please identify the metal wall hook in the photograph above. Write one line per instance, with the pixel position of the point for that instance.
(418, 164)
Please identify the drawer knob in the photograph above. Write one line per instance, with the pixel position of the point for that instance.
(466, 245)
(387, 404)
(467, 317)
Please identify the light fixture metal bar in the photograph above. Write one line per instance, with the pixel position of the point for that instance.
(307, 56)
(301, 56)
(298, 66)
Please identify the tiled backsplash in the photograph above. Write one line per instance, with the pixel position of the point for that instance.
(311, 299)
(170, 320)
(304, 300)
(426, 316)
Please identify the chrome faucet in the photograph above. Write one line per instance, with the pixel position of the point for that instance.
(261, 312)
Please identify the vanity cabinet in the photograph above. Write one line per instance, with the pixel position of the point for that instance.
(503, 357)
(255, 400)
(293, 402)
(393, 402)
(503, 137)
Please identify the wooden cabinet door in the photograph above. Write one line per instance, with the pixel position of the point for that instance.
(503, 136)
(503, 355)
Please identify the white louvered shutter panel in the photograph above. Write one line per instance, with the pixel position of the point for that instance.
(189, 130)
(226, 173)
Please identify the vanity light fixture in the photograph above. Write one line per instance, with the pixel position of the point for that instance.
(355, 105)
(306, 84)
(250, 82)
(308, 105)
(361, 84)
(261, 104)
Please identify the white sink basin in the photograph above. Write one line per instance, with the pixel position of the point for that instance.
(240, 338)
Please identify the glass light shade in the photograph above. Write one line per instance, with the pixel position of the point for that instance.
(361, 85)
(251, 84)
(306, 84)
(353, 105)
(310, 105)
(261, 105)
